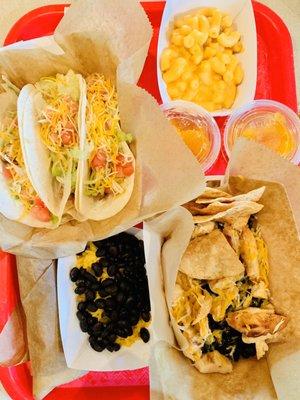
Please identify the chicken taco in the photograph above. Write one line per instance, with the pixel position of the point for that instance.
(222, 308)
(52, 115)
(19, 199)
(107, 171)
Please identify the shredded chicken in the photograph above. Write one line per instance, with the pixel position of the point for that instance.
(254, 322)
(214, 362)
(249, 254)
(233, 237)
(260, 290)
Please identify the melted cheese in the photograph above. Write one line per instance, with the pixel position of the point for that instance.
(88, 257)
(127, 342)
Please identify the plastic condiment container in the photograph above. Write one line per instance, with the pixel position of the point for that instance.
(197, 128)
(267, 122)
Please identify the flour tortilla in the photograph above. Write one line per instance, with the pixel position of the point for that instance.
(210, 257)
(95, 209)
(89, 206)
(36, 154)
(253, 195)
(233, 215)
(9, 206)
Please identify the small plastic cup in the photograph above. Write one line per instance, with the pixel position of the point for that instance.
(256, 115)
(197, 118)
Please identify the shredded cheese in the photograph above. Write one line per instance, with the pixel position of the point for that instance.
(13, 162)
(58, 122)
(104, 137)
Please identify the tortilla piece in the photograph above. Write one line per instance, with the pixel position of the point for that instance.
(214, 362)
(203, 229)
(253, 195)
(233, 237)
(217, 207)
(212, 193)
(193, 208)
(243, 210)
(210, 257)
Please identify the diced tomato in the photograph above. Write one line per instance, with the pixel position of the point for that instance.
(39, 202)
(99, 160)
(120, 159)
(66, 137)
(124, 168)
(128, 169)
(6, 173)
(40, 211)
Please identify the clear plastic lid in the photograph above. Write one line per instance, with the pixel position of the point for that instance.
(197, 128)
(267, 122)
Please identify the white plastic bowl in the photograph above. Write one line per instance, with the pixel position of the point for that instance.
(257, 112)
(243, 15)
(202, 118)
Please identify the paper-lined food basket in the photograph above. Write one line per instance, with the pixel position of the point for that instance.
(251, 167)
(105, 41)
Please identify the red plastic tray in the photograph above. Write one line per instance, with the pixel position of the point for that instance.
(276, 80)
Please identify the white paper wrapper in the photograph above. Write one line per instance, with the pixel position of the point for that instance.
(275, 376)
(77, 350)
(242, 12)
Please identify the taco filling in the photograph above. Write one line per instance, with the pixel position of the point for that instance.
(14, 171)
(223, 312)
(109, 162)
(58, 122)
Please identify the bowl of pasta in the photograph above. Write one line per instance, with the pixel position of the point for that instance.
(207, 54)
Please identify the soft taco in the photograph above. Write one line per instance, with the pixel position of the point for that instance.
(52, 115)
(19, 200)
(106, 173)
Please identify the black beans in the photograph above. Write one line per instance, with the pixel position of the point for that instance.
(120, 297)
(116, 347)
(97, 328)
(116, 285)
(80, 290)
(74, 274)
(100, 303)
(83, 326)
(81, 306)
(91, 306)
(90, 295)
(98, 269)
(146, 316)
(107, 282)
(111, 270)
(89, 277)
(96, 345)
(80, 315)
(145, 335)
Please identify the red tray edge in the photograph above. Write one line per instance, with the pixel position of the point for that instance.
(8, 375)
